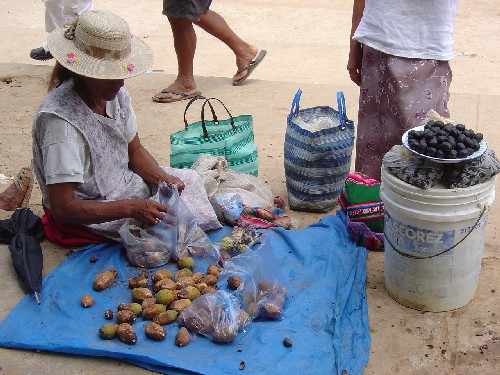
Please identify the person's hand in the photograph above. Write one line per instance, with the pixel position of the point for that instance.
(148, 211)
(173, 180)
(355, 61)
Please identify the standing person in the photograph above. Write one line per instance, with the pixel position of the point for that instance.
(90, 164)
(182, 14)
(399, 56)
(59, 13)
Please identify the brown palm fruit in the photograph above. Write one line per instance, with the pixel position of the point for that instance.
(213, 270)
(184, 282)
(108, 331)
(184, 272)
(151, 311)
(160, 275)
(166, 317)
(200, 286)
(126, 333)
(137, 282)
(104, 279)
(226, 334)
(109, 315)
(125, 316)
(179, 305)
(243, 319)
(148, 302)
(164, 284)
(144, 273)
(186, 262)
(154, 331)
(140, 294)
(209, 279)
(233, 282)
(166, 296)
(270, 311)
(182, 337)
(136, 308)
(210, 289)
(197, 276)
(189, 292)
(87, 300)
(224, 255)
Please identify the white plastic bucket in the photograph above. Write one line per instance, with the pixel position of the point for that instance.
(421, 226)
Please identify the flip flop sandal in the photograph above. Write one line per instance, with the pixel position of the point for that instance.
(182, 95)
(250, 68)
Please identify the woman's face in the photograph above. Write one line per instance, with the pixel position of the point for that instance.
(106, 89)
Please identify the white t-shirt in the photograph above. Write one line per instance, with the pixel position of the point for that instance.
(409, 28)
(66, 154)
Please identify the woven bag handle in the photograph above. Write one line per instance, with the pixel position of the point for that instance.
(189, 105)
(341, 109)
(294, 111)
(215, 120)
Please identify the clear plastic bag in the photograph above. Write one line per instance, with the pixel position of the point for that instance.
(216, 315)
(237, 241)
(263, 291)
(154, 246)
(191, 239)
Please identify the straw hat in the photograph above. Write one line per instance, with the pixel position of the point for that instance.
(100, 46)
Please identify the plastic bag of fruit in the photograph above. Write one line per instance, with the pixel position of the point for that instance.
(216, 315)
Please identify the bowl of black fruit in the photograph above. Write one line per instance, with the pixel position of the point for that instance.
(444, 142)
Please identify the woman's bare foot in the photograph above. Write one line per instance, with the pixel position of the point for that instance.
(18, 193)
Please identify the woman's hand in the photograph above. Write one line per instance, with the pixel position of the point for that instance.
(173, 180)
(148, 211)
(355, 61)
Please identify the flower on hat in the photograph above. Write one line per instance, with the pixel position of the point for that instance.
(71, 58)
(129, 68)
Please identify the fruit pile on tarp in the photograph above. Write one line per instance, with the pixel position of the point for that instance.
(325, 315)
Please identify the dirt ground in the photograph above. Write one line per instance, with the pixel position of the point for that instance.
(307, 44)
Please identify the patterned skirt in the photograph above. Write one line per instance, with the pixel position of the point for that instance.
(395, 95)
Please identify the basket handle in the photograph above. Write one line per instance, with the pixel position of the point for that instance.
(295, 103)
(341, 109)
(187, 107)
(215, 120)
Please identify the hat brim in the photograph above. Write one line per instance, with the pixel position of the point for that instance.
(137, 62)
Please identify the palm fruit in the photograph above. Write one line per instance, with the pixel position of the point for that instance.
(213, 270)
(197, 276)
(270, 311)
(140, 294)
(164, 284)
(166, 296)
(160, 275)
(182, 337)
(184, 282)
(137, 282)
(104, 279)
(186, 262)
(125, 316)
(210, 279)
(189, 292)
(179, 305)
(108, 331)
(226, 243)
(210, 289)
(200, 286)
(136, 308)
(233, 282)
(87, 300)
(185, 272)
(109, 315)
(151, 311)
(148, 302)
(144, 273)
(126, 333)
(166, 317)
(155, 331)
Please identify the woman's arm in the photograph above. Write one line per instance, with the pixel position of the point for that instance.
(68, 209)
(355, 50)
(143, 163)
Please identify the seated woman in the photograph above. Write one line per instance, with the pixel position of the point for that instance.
(91, 167)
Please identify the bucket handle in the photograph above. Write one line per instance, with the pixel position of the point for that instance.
(442, 252)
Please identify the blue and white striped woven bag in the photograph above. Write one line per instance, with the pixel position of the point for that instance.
(317, 157)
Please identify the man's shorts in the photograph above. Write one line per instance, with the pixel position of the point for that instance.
(190, 9)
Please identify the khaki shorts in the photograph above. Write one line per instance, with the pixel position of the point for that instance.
(190, 9)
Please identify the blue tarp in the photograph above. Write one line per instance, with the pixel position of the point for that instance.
(325, 315)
